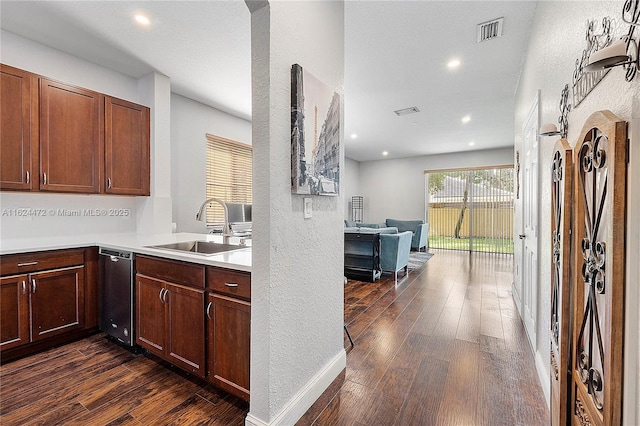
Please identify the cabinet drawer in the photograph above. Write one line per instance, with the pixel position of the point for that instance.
(38, 261)
(229, 282)
(171, 270)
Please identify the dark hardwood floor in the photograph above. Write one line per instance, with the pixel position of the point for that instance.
(445, 346)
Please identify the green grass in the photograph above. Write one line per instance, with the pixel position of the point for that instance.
(491, 245)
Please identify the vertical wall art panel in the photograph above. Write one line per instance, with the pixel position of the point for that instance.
(598, 283)
(315, 135)
(560, 333)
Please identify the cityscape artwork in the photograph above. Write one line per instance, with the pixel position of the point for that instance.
(315, 135)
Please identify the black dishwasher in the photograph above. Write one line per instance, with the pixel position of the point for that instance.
(116, 295)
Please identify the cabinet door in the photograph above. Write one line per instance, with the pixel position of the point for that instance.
(57, 302)
(185, 344)
(150, 314)
(126, 147)
(16, 149)
(70, 138)
(229, 337)
(14, 307)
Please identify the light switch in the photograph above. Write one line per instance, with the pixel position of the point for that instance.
(308, 205)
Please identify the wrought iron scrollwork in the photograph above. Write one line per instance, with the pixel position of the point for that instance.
(593, 188)
(631, 15)
(557, 196)
(565, 107)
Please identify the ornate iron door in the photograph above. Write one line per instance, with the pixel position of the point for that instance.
(598, 289)
(560, 333)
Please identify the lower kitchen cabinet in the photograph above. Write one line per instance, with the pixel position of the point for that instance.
(229, 342)
(170, 316)
(42, 300)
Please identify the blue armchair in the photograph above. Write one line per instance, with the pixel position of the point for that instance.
(418, 228)
(394, 252)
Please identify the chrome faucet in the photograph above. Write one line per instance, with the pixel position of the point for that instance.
(226, 230)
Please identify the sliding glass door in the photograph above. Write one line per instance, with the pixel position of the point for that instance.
(471, 209)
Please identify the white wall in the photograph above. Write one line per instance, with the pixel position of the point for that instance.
(190, 121)
(557, 40)
(351, 185)
(297, 299)
(395, 188)
(25, 54)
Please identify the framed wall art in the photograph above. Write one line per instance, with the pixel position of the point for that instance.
(315, 135)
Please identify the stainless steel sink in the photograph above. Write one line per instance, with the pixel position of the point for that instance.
(205, 248)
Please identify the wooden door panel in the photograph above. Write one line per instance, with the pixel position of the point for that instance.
(229, 344)
(150, 314)
(598, 283)
(127, 157)
(14, 307)
(16, 170)
(185, 345)
(70, 138)
(560, 330)
(57, 302)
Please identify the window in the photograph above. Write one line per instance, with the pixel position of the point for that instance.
(229, 165)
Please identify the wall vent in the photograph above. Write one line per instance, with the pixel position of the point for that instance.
(490, 30)
(406, 111)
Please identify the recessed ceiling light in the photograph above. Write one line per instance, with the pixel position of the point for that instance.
(472, 143)
(454, 63)
(142, 20)
(354, 135)
(385, 153)
(466, 119)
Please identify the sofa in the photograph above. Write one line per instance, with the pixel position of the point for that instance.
(394, 252)
(418, 228)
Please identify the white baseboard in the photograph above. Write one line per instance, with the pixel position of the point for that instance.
(300, 403)
(543, 376)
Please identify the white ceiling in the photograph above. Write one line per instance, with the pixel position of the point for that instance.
(395, 57)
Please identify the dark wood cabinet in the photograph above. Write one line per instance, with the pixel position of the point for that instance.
(70, 138)
(61, 138)
(150, 314)
(169, 315)
(229, 330)
(43, 300)
(18, 146)
(127, 152)
(14, 308)
(229, 343)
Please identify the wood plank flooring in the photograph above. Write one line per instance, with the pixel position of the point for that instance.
(445, 346)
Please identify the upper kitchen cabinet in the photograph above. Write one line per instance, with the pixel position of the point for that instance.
(70, 138)
(126, 147)
(18, 144)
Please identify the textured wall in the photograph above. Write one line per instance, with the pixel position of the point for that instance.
(297, 271)
(395, 188)
(557, 40)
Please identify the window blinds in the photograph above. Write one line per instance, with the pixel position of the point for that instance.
(229, 165)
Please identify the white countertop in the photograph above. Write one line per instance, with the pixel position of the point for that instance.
(238, 259)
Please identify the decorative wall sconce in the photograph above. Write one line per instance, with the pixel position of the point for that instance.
(624, 52)
(550, 129)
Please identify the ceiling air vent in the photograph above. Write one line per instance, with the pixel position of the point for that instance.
(406, 111)
(490, 30)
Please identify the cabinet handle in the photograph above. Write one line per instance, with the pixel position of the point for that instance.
(27, 264)
(24, 287)
(231, 284)
(33, 285)
(160, 295)
(164, 298)
(209, 310)
(45, 178)
(28, 177)
(109, 183)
